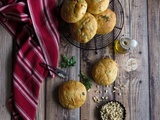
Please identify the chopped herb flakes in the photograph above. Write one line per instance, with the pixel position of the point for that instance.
(85, 80)
(66, 62)
(105, 17)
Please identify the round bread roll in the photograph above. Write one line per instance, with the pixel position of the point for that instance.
(105, 71)
(72, 94)
(73, 10)
(106, 21)
(97, 6)
(85, 29)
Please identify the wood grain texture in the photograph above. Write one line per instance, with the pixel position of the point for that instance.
(5, 72)
(140, 95)
(90, 110)
(135, 93)
(53, 108)
(154, 42)
(40, 112)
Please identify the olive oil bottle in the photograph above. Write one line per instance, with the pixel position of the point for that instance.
(124, 45)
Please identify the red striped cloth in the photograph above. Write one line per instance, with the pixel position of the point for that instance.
(34, 26)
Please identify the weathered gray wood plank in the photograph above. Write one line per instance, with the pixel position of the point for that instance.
(53, 108)
(154, 42)
(90, 110)
(135, 95)
(5, 72)
(40, 112)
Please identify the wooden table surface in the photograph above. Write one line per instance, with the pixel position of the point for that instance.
(139, 96)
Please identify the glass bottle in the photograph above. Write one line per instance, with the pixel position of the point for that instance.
(124, 45)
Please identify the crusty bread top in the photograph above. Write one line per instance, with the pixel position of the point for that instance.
(85, 29)
(72, 94)
(97, 6)
(105, 71)
(73, 10)
(106, 21)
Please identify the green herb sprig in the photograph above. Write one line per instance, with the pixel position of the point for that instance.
(105, 17)
(85, 80)
(67, 62)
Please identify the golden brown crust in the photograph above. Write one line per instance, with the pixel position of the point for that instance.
(105, 71)
(85, 29)
(97, 6)
(72, 94)
(106, 21)
(73, 10)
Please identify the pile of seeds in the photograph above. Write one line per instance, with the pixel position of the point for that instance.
(112, 111)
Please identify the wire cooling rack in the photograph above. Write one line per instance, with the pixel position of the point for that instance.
(98, 41)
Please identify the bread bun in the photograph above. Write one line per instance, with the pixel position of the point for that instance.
(72, 94)
(105, 71)
(73, 10)
(85, 29)
(106, 21)
(97, 6)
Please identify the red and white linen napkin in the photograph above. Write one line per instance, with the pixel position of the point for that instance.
(34, 26)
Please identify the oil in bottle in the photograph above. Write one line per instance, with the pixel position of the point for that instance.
(122, 46)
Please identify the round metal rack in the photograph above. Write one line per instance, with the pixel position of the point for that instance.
(98, 41)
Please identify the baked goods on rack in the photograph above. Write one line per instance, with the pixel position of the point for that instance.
(106, 21)
(105, 71)
(73, 10)
(86, 18)
(97, 6)
(85, 29)
(72, 94)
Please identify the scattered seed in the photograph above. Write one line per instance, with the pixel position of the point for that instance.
(94, 98)
(121, 85)
(106, 91)
(100, 91)
(97, 86)
(121, 88)
(107, 86)
(114, 91)
(96, 91)
(119, 94)
(102, 97)
(115, 88)
(106, 97)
